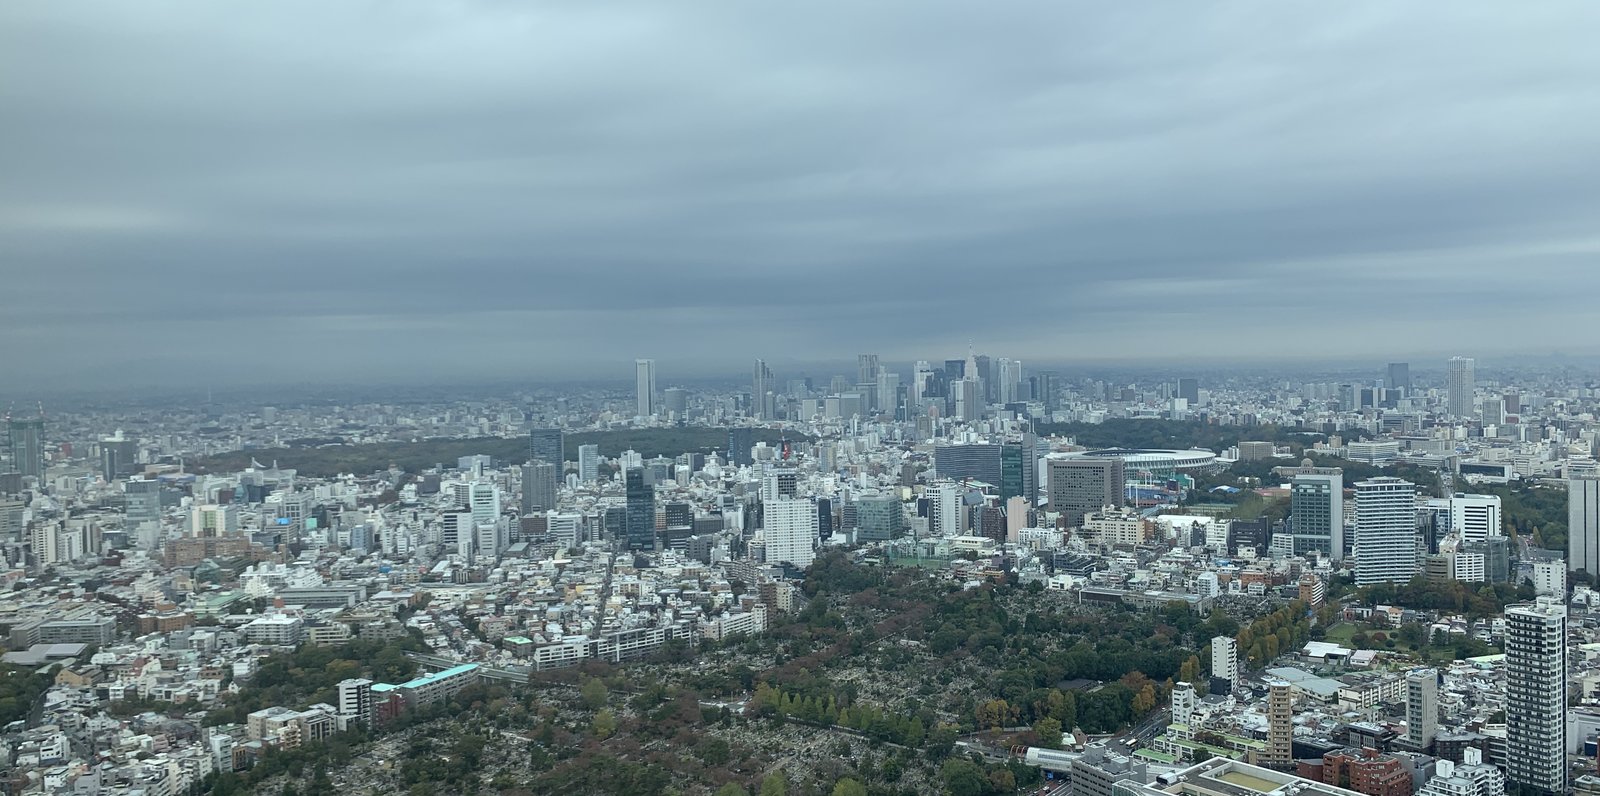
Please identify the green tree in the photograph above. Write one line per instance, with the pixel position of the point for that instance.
(849, 787)
(1049, 732)
(732, 789)
(605, 724)
(962, 778)
(775, 784)
(594, 693)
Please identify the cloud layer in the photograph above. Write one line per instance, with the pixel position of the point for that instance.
(310, 190)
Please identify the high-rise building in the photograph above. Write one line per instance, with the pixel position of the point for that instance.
(1475, 517)
(1386, 531)
(484, 502)
(762, 401)
(979, 461)
(645, 387)
(969, 399)
(212, 520)
(676, 401)
(538, 488)
(867, 368)
(1583, 524)
(1316, 505)
(641, 498)
(1279, 753)
(879, 517)
(1082, 485)
(1399, 377)
(1225, 660)
(1422, 707)
(547, 445)
(1048, 391)
(741, 439)
(142, 510)
(982, 368)
(26, 439)
(888, 392)
(1009, 380)
(946, 517)
(790, 530)
(1536, 695)
(1461, 383)
(1189, 390)
(119, 457)
(1019, 469)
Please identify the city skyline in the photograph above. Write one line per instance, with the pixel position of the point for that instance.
(789, 189)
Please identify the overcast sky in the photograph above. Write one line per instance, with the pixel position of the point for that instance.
(246, 191)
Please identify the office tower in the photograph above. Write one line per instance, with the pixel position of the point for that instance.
(27, 446)
(946, 516)
(212, 520)
(761, 405)
(1048, 391)
(538, 488)
(547, 445)
(982, 368)
(1189, 390)
(1536, 695)
(483, 501)
(142, 511)
(780, 483)
(923, 383)
(879, 517)
(789, 528)
(866, 368)
(968, 462)
(1399, 377)
(1422, 707)
(1279, 753)
(1009, 388)
(588, 463)
(1019, 469)
(486, 540)
(1460, 384)
(641, 530)
(1316, 506)
(1550, 577)
(645, 386)
(1492, 411)
(1082, 485)
(956, 369)
(888, 394)
(1583, 524)
(1386, 531)
(969, 399)
(355, 701)
(676, 402)
(1225, 660)
(740, 440)
(1475, 517)
(119, 456)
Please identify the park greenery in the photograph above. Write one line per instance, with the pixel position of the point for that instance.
(326, 458)
(20, 688)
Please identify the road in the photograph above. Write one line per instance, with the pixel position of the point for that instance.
(1150, 728)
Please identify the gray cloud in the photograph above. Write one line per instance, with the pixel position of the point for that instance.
(508, 189)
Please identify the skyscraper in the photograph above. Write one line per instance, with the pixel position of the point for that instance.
(1422, 707)
(645, 378)
(1019, 469)
(142, 510)
(867, 368)
(1536, 695)
(945, 515)
(27, 446)
(641, 510)
(1475, 517)
(588, 463)
(118, 457)
(761, 405)
(1460, 384)
(1386, 531)
(1010, 380)
(1399, 377)
(888, 393)
(1583, 524)
(1082, 485)
(676, 401)
(1316, 504)
(790, 529)
(969, 399)
(538, 488)
(547, 445)
(740, 440)
(1189, 390)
